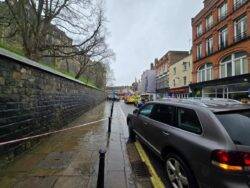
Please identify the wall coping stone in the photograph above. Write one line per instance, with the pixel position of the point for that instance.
(31, 63)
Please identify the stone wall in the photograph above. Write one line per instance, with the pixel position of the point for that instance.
(35, 99)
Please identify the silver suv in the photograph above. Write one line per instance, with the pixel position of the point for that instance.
(204, 142)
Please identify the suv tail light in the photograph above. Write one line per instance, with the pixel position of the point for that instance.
(231, 160)
(247, 159)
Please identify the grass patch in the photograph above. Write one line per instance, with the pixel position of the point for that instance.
(19, 51)
(72, 74)
(13, 48)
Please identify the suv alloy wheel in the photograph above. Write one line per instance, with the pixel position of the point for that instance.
(178, 173)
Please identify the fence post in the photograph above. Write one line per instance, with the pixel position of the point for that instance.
(100, 180)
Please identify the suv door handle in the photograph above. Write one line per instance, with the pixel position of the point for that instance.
(166, 133)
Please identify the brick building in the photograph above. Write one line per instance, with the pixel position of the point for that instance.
(221, 49)
(180, 74)
(162, 66)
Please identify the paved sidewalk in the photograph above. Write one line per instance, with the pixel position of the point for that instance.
(118, 169)
(71, 159)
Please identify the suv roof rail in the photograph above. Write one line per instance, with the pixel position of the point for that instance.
(205, 102)
(192, 101)
(169, 99)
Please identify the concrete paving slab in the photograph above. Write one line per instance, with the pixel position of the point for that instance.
(71, 159)
(115, 179)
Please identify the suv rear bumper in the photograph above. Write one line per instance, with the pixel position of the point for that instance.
(219, 178)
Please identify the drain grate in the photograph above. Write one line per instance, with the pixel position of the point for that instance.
(140, 169)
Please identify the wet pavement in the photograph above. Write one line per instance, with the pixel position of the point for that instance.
(71, 159)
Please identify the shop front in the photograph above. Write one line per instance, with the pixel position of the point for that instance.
(162, 93)
(236, 87)
(180, 92)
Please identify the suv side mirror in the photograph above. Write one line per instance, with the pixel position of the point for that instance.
(136, 111)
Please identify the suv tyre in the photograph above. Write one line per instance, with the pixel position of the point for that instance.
(178, 173)
(131, 132)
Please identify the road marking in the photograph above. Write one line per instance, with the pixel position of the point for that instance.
(155, 179)
(123, 114)
(49, 133)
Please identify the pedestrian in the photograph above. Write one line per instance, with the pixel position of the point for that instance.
(141, 104)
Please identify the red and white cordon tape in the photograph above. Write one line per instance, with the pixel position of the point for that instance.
(49, 133)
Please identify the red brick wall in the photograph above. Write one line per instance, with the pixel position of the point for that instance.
(214, 31)
(170, 58)
(216, 58)
(176, 56)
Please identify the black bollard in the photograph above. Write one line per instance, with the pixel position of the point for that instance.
(110, 122)
(111, 112)
(100, 180)
(112, 109)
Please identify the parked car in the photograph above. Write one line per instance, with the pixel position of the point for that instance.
(132, 99)
(113, 98)
(144, 98)
(204, 143)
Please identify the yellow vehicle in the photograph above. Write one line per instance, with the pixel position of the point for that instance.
(132, 99)
(128, 100)
(136, 99)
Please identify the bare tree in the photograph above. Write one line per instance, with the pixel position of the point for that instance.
(94, 57)
(37, 21)
(110, 77)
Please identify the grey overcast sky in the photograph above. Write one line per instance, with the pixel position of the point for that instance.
(142, 30)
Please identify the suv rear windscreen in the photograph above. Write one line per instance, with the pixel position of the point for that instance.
(237, 125)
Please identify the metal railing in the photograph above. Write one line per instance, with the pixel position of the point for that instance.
(240, 36)
(223, 16)
(209, 26)
(209, 51)
(238, 4)
(199, 56)
(222, 45)
(198, 34)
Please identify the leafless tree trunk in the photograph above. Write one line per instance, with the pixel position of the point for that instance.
(39, 23)
(72, 29)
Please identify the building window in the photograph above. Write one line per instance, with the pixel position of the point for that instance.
(205, 73)
(240, 29)
(165, 68)
(209, 22)
(209, 46)
(174, 70)
(185, 66)
(174, 82)
(199, 30)
(238, 3)
(184, 80)
(199, 51)
(235, 64)
(222, 11)
(223, 38)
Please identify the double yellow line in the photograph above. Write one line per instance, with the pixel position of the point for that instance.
(155, 179)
